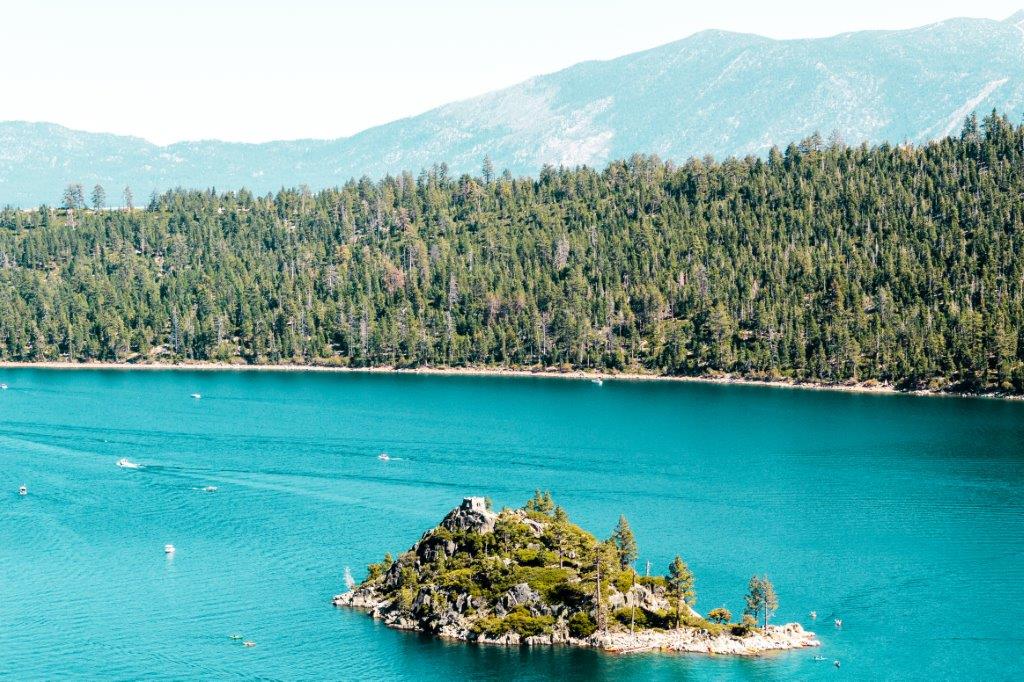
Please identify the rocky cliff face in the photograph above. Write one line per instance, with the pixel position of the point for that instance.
(524, 578)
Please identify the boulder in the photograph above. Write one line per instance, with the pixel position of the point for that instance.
(519, 595)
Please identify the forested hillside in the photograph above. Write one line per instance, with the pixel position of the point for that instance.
(820, 262)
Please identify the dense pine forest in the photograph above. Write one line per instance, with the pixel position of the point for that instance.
(822, 262)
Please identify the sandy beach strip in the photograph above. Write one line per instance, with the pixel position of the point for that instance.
(489, 371)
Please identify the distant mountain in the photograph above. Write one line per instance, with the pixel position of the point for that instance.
(715, 93)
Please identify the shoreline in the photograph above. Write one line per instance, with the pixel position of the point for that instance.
(547, 373)
(686, 640)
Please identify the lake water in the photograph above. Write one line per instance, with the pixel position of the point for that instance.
(902, 515)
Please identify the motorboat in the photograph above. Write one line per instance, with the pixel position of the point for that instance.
(197, 396)
(126, 463)
(210, 489)
(384, 457)
(597, 382)
(23, 490)
(169, 549)
(249, 643)
(3, 387)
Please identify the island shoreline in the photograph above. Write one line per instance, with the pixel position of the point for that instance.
(485, 371)
(773, 640)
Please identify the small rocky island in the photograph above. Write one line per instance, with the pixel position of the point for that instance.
(531, 577)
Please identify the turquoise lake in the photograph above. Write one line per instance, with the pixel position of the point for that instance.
(902, 515)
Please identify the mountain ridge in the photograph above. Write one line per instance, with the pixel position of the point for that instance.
(714, 92)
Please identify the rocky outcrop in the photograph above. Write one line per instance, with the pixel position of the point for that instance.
(471, 515)
(694, 640)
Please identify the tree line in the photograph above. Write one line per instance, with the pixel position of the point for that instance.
(821, 262)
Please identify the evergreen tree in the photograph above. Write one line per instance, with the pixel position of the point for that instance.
(625, 542)
(99, 197)
(680, 586)
(761, 598)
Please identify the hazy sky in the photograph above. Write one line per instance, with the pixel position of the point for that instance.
(257, 70)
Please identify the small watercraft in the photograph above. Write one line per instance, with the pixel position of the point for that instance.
(210, 489)
(249, 643)
(169, 549)
(813, 615)
(197, 396)
(23, 490)
(384, 457)
(839, 622)
(3, 387)
(235, 637)
(836, 663)
(819, 657)
(597, 382)
(126, 463)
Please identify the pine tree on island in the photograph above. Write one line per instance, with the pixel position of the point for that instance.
(625, 542)
(761, 598)
(680, 585)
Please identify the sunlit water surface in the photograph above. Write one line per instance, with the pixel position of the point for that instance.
(901, 515)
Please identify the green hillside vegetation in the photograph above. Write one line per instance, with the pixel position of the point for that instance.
(471, 573)
(821, 262)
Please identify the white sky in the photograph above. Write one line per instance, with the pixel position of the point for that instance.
(257, 70)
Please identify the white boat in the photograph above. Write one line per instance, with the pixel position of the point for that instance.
(384, 457)
(23, 490)
(598, 381)
(169, 549)
(839, 622)
(126, 463)
(197, 396)
(3, 387)
(210, 489)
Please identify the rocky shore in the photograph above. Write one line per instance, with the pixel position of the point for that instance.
(683, 640)
(493, 578)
